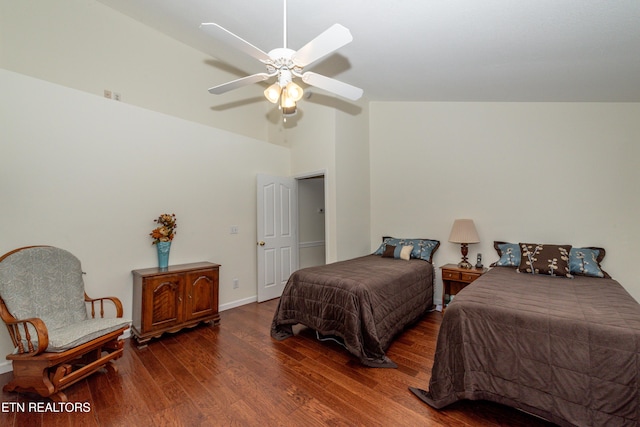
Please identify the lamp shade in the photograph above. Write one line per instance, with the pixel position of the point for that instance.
(272, 93)
(294, 91)
(464, 231)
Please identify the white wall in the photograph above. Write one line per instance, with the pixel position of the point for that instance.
(312, 144)
(89, 175)
(331, 135)
(541, 172)
(352, 175)
(86, 45)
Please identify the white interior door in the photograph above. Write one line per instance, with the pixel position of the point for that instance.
(277, 234)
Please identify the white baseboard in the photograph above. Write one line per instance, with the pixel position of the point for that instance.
(310, 244)
(7, 367)
(238, 303)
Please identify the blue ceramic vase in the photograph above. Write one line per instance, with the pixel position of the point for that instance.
(163, 254)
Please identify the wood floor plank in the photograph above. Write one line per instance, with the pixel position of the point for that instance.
(140, 396)
(151, 363)
(235, 374)
(184, 414)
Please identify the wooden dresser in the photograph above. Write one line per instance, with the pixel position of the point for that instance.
(173, 298)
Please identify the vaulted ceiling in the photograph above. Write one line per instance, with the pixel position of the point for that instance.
(432, 50)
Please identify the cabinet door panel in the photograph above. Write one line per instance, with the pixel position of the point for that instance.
(202, 293)
(163, 302)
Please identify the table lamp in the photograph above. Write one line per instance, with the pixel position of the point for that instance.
(464, 232)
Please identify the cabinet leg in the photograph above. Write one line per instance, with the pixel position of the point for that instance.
(142, 342)
(212, 322)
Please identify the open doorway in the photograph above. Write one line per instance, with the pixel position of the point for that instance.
(311, 221)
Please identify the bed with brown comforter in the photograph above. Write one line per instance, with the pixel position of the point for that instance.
(567, 350)
(364, 301)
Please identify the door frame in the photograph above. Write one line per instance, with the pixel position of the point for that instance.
(315, 174)
(318, 173)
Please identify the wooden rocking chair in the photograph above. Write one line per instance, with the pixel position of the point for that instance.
(44, 305)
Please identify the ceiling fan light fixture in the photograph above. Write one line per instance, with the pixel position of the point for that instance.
(286, 64)
(286, 102)
(294, 91)
(289, 111)
(272, 93)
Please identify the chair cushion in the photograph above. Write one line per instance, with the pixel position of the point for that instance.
(44, 282)
(79, 333)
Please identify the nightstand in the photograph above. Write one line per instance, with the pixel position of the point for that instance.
(454, 279)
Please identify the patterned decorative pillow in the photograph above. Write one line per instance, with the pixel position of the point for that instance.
(552, 260)
(422, 248)
(586, 261)
(398, 252)
(509, 254)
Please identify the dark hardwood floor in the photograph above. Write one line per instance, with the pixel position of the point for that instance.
(235, 374)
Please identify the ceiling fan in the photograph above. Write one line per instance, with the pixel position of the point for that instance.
(285, 64)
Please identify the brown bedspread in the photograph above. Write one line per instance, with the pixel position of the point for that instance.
(567, 350)
(365, 301)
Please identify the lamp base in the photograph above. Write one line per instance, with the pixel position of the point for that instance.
(464, 249)
(465, 264)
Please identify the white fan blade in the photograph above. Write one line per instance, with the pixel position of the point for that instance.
(339, 88)
(332, 39)
(226, 87)
(234, 41)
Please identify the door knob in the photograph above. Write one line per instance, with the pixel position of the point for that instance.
(261, 243)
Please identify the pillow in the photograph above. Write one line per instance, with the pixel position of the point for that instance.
(388, 251)
(405, 252)
(398, 252)
(552, 260)
(401, 252)
(586, 261)
(422, 248)
(509, 254)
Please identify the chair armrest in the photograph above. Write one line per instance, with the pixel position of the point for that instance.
(24, 343)
(93, 301)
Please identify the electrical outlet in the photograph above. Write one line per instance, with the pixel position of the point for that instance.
(234, 229)
(107, 93)
(236, 283)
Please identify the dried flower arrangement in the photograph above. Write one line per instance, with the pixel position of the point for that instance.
(165, 230)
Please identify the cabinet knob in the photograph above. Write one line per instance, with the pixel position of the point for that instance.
(261, 243)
